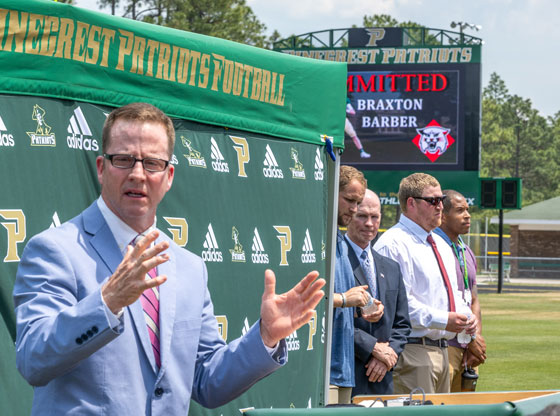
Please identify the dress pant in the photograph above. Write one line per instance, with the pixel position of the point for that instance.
(422, 366)
(340, 395)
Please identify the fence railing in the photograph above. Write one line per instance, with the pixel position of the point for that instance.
(520, 267)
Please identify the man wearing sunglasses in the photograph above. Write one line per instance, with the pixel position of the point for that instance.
(437, 311)
(115, 318)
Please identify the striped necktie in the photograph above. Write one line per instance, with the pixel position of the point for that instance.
(369, 273)
(150, 304)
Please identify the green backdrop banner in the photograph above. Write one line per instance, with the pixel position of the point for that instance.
(115, 61)
(244, 202)
(250, 189)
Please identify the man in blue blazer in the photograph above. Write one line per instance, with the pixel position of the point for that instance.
(86, 338)
(379, 337)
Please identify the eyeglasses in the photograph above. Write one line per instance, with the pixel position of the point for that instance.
(432, 200)
(151, 164)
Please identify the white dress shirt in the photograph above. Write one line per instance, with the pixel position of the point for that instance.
(123, 235)
(428, 303)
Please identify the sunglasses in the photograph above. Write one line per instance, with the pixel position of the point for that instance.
(432, 200)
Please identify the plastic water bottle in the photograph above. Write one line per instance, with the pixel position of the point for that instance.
(463, 337)
(370, 307)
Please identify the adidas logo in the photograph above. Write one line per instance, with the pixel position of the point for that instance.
(319, 167)
(271, 169)
(218, 163)
(308, 256)
(292, 342)
(6, 139)
(56, 221)
(258, 256)
(211, 252)
(246, 327)
(79, 133)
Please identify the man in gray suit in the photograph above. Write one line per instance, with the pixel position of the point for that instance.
(379, 337)
(115, 318)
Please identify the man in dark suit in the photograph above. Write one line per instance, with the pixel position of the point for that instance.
(380, 336)
(115, 318)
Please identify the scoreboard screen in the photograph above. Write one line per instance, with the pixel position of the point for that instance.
(409, 117)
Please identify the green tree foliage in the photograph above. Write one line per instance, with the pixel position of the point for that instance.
(518, 142)
(227, 19)
(416, 34)
(113, 4)
(385, 20)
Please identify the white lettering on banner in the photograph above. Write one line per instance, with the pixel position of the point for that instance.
(308, 256)
(292, 342)
(318, 174)
(271, 169)
(79, 133)
(6, 139)
(211, 252)
(389, 104)
(218, 163)
(389, 121)
(258, 255)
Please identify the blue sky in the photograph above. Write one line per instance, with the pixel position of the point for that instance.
(521, 37)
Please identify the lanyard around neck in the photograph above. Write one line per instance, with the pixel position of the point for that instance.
(458, 255)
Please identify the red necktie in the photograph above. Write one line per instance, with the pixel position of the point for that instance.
(150, 303)
(444, 274)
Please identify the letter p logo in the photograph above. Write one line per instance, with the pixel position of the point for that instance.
(375, 35)
(242, 148)
(285, 237)
(16, 231)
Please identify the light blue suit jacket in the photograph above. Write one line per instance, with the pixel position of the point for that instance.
(78, 364)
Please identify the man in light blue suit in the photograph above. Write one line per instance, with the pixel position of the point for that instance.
(85, 338)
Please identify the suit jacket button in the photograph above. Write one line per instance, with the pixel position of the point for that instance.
(158, 392)
(79, 341)
(94, 329)
(84, 337)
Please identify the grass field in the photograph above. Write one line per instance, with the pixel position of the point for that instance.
(522, 333)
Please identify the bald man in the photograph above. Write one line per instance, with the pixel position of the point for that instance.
(378, 340)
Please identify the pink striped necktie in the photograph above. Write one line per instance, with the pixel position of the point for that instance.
(150, 304)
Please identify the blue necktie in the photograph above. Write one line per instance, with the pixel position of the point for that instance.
(368, 270)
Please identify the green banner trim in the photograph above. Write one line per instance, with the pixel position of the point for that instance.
(61, 51)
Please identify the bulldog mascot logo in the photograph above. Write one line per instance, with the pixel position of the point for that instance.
(433, 140)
